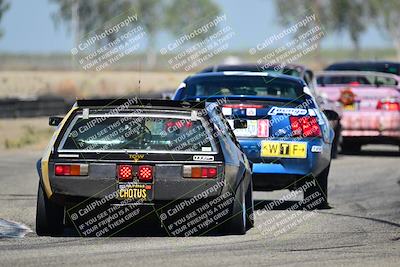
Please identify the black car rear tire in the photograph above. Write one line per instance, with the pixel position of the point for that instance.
(249, 206)
(236, 223)
(321, 186)
(49, 215)
(335, 148)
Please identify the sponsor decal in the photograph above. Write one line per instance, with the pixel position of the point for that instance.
(85, 113)
(136, 157)
(251, 111)
(227, 111)
(281, 132)
(68, 155)
(311, 112)
(347, 97)
(193, 115)
(203, 158)
(316, 149)
(287, 111)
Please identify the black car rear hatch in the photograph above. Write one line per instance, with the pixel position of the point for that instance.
(149, 151)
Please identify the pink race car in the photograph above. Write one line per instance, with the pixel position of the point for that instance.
(371, 106)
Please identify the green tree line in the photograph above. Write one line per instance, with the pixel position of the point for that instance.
(84, 16)
(352, 17)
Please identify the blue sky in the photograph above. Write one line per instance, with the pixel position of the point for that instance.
(29, 28)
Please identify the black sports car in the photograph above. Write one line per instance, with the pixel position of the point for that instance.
(113, 162)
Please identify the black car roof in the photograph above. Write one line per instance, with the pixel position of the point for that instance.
(137, 102)
(245, 73)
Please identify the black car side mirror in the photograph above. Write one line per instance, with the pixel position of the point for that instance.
(55, 121)
(331, 115)
(240, 124)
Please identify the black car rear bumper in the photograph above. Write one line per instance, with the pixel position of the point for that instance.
(168, 184)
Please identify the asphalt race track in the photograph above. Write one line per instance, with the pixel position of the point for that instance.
(361, 229)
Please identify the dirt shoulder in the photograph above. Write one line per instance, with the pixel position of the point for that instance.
(25, 133)
(29, 84)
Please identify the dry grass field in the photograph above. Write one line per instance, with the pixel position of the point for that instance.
(25, 133)
(34, 133)
(71, 84)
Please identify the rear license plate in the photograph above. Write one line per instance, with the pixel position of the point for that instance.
(131, 191)
(251, 129)
(284, 149)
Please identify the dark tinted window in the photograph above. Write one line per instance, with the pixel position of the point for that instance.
(138, 133)
(243, 85)
(392, 68)
(287, 71)
(372, 80)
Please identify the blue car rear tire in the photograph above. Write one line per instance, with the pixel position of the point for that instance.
(320, 189)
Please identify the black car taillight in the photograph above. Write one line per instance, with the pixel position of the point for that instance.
(199, 171)
(125, 173)
(145, 173)
(71, 169)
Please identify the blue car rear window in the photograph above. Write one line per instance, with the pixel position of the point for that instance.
(262, 86)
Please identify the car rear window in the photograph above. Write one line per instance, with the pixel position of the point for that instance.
(286, 71)
(378, 67)
(245, 86)
(372, 80)
(144, 133)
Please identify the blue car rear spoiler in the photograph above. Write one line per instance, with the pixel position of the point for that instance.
(243, 97)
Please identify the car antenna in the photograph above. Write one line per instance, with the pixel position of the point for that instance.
(139, 87)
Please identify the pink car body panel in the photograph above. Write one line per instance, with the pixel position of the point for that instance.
(366, 120)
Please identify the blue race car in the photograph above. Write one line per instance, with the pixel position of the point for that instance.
(278, 123)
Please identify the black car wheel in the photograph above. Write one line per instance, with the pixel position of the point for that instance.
(320, 190)
(49, 216)
(236, 223)
(249, 206)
